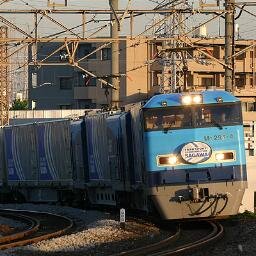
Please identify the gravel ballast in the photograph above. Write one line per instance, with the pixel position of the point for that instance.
(98, 234)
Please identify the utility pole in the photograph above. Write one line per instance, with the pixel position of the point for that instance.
(4, 83)
(229, 45)
(115, 54)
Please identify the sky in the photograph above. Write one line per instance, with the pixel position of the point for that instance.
(96, 4)
(247, 22)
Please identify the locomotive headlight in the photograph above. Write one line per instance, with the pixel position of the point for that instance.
(167, 160)
(224, 156)
(191, 99)
(172, 160)
(219, 156)
(186, 99)
(197, 99)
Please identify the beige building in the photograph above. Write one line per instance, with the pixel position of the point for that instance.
(141, 69)
(205, 72)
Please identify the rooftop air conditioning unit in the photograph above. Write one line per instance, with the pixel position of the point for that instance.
(200, 32)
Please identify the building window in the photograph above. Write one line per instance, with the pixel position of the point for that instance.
(190, 54)
(241, 56)
(250, 106)
(156, 48)
(251, 81)
(207, 81)
(208, 52)
(156, 78)
(90, 81)
(66, 83)
(252, 54)
(86, 49)
(240, 81)
(106, 54)
(34, 79)
(81, 79)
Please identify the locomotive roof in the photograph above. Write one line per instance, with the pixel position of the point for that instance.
(174, 99)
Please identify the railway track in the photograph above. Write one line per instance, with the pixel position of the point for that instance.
(167, 247)
(39, 226)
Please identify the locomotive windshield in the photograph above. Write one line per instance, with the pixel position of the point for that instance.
(196, 116)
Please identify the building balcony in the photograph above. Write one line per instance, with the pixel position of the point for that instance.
(240, 66)
(207, 66)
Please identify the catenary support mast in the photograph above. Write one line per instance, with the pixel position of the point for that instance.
(115, 55)
(229, 45)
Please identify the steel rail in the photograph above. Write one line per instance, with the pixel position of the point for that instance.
(36, 239)
(33, 227)
(217, 233)
(150, 250)
(152, 247)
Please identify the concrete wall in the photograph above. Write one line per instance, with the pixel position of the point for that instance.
(248, 199)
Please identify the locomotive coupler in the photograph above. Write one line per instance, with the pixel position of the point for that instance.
(197, 194)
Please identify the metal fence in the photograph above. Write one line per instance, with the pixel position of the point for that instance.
(249, 136)
(60, 113)
(30, 116)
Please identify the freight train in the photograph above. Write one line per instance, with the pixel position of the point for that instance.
(180, 155)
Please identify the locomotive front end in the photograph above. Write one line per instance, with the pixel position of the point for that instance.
(194, 154)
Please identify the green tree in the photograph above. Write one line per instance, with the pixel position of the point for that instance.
(19, 105)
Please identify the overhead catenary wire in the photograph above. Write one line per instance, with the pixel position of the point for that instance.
(100, 27)
(50, 39)
(27, 63)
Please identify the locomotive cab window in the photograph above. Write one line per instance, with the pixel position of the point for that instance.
(210, 115)
(218, 115)
(167, 118)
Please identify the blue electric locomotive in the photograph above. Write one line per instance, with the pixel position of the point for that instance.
(179, 154)
(194, 154)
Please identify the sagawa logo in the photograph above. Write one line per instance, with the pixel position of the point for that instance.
(196, 152)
